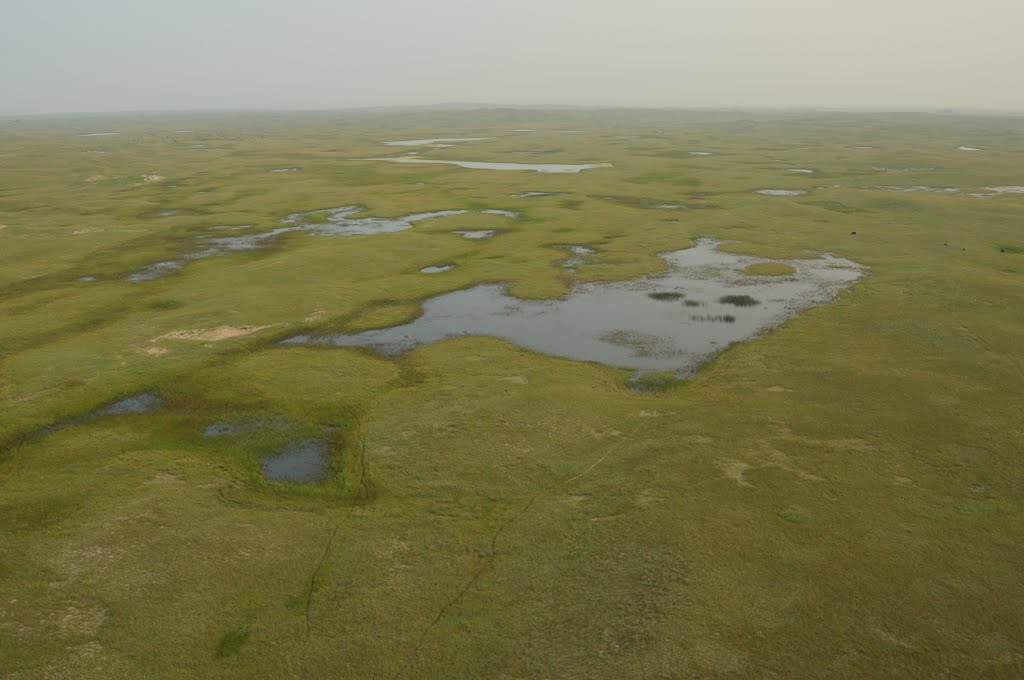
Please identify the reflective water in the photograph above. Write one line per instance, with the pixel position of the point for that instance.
(329, 222)
(137, 403)
(443, 141)
(536, 194)
(306, 460)
(781, 192)
(619, 324)
(438, 268)
(480, 165)
(476, 234)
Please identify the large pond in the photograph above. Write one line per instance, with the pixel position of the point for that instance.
(674, 321)
(480, 165)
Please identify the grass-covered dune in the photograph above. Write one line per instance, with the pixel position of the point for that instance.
(840, 497)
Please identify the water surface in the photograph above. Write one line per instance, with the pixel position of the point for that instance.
(620, 324)
(480, 165)
(302, 461)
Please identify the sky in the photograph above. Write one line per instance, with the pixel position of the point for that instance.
(71, 56)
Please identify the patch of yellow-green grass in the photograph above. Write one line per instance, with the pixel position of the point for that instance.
(769, 269)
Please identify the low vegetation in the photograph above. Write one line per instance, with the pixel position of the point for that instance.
(840, 497)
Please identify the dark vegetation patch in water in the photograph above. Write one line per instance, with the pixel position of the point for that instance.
(665, 296)
(738, 300)
(714, 318)
(303, 461)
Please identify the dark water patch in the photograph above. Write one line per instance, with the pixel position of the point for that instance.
(738, 300)
(665, 296)
(618, 323)
(303, 461)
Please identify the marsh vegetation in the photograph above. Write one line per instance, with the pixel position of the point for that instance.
(778, 436)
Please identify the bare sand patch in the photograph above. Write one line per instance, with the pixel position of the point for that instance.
(150, 179)
(734, 469)
(3, 226)
(212, 334)
(155, 351)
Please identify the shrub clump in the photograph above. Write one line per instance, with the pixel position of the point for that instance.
(738, 300)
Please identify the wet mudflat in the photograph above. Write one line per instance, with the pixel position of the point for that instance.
(622, 324)
(480, 165)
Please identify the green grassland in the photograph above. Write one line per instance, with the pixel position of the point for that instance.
(841, 497)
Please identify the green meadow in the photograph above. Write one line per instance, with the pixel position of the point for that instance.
(839, 497)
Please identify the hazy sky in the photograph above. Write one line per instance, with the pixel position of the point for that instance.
(60, 56)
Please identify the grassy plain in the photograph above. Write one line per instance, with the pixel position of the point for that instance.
(839, 498)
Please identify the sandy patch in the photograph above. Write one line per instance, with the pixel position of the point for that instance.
(155, 351)
(150, 179)
(315, 315)
(212, 334)
(3, 226)
(75, 621)
(734, 469)
(95, 178)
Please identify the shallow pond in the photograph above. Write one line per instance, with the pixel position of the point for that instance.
(329, 222)
(536, 194)
(476, 234)
(480, 165)
(437, 268)
(137, 403)
(303, 461)
(620, 324)
(781, 192)
(441, 141)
